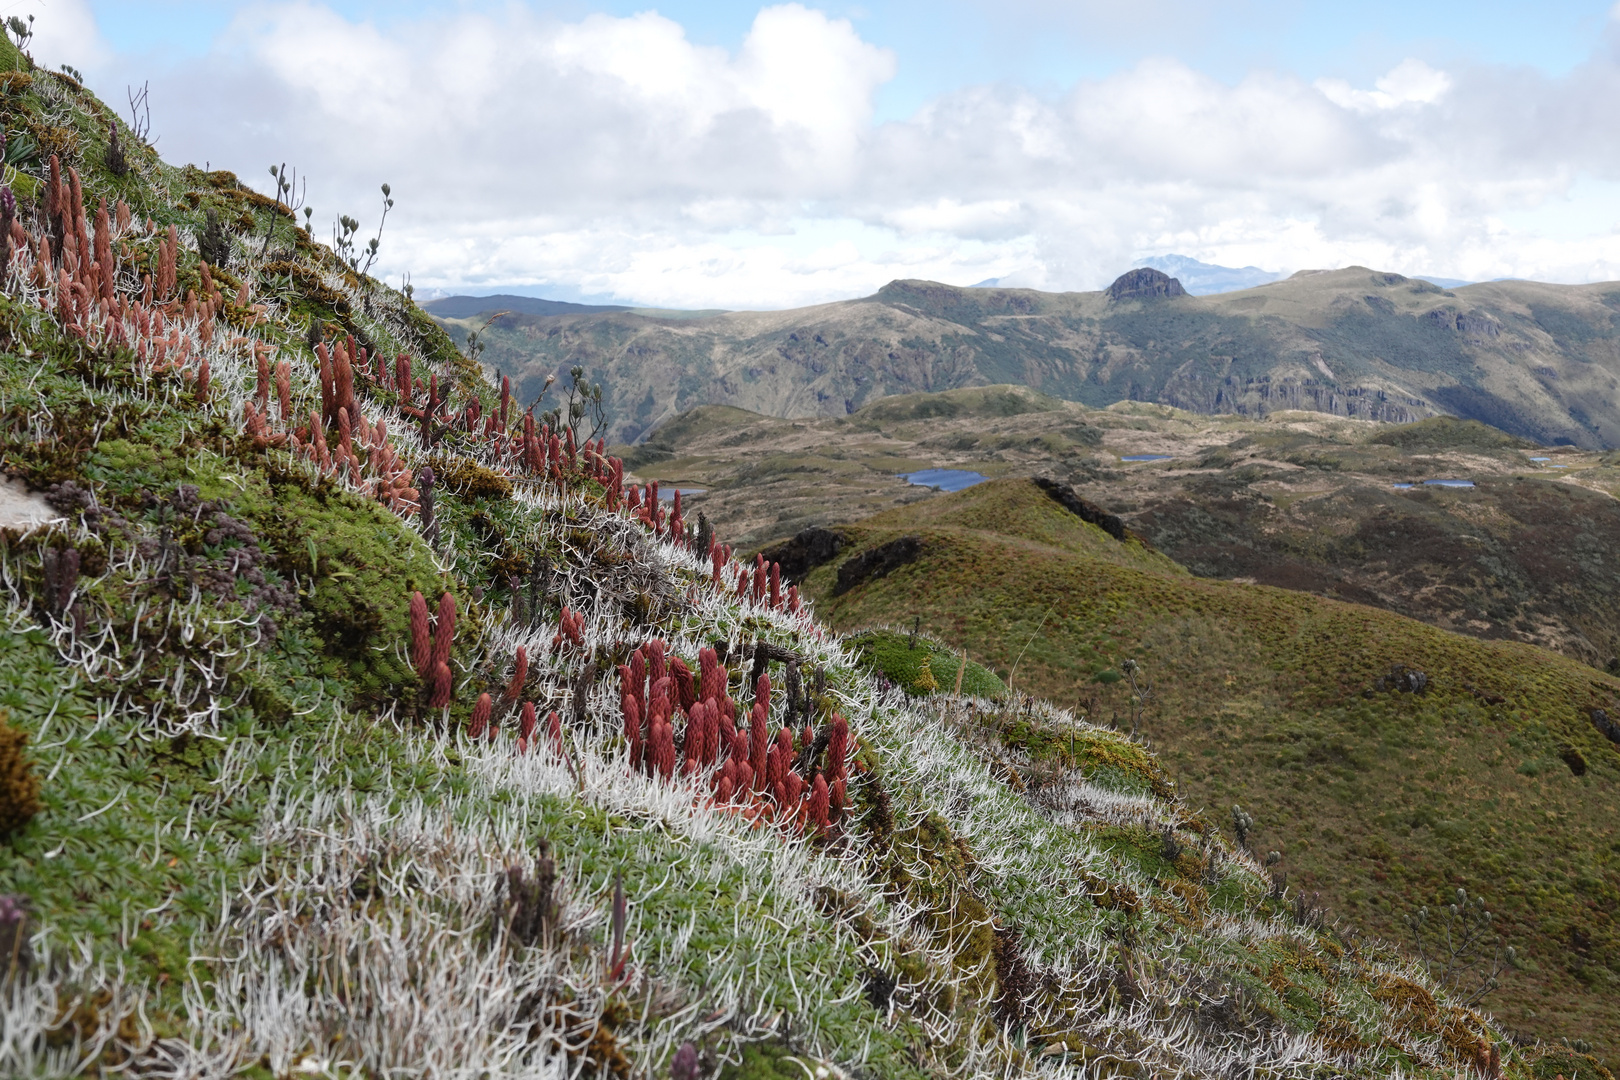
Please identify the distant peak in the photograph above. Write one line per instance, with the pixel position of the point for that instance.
(1204, 279)
(1144, 283)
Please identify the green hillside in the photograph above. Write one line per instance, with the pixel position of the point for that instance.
(1492, 778)
(310, 767)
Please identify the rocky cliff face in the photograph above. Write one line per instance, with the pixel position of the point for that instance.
(1145, 283)
(1258, 397)
(1541, 361)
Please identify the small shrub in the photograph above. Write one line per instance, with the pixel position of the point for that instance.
(472, 481)
(19, 788)
(927, 668)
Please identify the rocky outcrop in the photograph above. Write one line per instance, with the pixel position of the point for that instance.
(1480, 325)
(877, 562)
(807, 550)
(1257, 397)
(1477, 325)
(1086, 510)
(1145, 283)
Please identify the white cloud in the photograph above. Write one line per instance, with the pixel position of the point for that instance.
(1412, 82)
(65, 32)
(615, 156)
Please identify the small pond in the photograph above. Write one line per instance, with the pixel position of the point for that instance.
(668, 494)
(1449, 483)
(1146, 457)
(1403, 487)
(944, 479)
(1541, 459)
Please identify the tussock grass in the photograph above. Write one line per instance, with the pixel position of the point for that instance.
(1380, 800)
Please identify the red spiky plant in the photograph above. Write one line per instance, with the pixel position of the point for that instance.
(421, 636)
(479, 721)
(526, 722)
(520, 675)
(570, 630)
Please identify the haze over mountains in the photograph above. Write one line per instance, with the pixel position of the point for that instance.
(1206, 279)
(1539, 361)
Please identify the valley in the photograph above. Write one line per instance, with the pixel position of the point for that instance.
(1304, 501)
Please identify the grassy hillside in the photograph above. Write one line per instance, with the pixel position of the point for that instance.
(265, 814)
(1535, 360)
(1303, 501)
(1493, 778)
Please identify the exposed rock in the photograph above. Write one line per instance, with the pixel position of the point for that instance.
(804, 552)
(1087, 511)
(1478, 324)
(876, 563)
(21, 508)
(1443, 318)
(1402, 679)
(1610, 729)
(1258, 397)
(1144, 283)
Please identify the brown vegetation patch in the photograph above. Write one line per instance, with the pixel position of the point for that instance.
(19, 788)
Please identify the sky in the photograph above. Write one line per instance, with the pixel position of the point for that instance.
(738, 155)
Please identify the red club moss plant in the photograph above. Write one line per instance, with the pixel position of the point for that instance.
(520, 675)
(479, 720)
(444, 629)
(554, 730)
(421, 637)
(442, 684)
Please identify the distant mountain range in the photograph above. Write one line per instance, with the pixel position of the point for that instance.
(1207, 279)
(1540, 361)
(465, 307)
(470, 307)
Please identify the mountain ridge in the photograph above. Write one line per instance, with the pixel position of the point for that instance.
(465, 307)
(1539, 361)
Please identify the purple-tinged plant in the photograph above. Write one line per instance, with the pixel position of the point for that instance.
(685, 1064)
(421, 639)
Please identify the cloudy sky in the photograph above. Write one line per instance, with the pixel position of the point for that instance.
(727, 154)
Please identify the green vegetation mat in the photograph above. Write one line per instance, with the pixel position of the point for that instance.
(920, 665)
